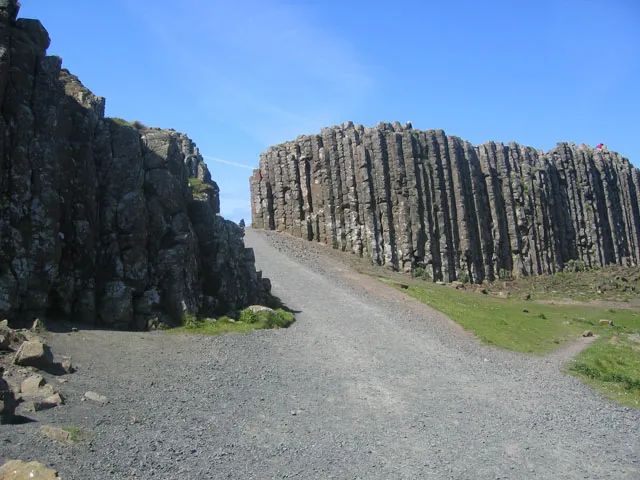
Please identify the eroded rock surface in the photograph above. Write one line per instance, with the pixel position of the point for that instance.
(101, 220)
(408, 198)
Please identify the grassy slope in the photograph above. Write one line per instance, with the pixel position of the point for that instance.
(612, 363)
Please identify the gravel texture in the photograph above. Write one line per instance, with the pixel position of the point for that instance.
(366, 384)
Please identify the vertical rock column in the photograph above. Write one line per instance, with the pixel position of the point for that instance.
(407, 198)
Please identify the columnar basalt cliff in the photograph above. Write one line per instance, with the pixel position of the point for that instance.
(101, 220)
(408, 198)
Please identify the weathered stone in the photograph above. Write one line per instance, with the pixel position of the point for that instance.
(587, 333)
(51, 401)
(56, 433)
(421, 199)
(19, 470)
(10, 339)
(605, 322)
(102, 220)
(34, 353)
(96, 397)
(259, 308)
(32, 385)
(37, 326)
(67, 365)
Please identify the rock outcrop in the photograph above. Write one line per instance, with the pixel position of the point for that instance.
(421, 199)
(101, 220)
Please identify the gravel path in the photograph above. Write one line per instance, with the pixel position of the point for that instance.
(366, 384)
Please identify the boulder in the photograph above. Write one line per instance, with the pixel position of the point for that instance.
(34, 353)
(32, 385)
(51, 401)
(67, 365)
(37, 326)
(10, 339)
(259, 308)
(56, 433)
(20, 470)
(96, 397)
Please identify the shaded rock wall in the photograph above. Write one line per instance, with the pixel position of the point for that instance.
(101, 221)
(408, 198)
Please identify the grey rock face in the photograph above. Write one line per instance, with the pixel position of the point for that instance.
(101, 220)
(408, 198)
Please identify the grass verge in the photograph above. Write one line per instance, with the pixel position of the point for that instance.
(247, 322)
(611, 364)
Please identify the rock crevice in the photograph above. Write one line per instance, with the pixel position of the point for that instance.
(422, 199)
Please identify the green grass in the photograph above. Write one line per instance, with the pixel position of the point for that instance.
(76, 434)
(560, 307)
(125, 123)
(612, 365)
(520, 325)
(199, 189)
(247, 322)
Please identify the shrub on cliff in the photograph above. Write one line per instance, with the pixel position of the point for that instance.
(125, 123)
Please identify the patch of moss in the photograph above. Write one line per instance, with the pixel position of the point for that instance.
(247, 322)
(199, 189)
(76, 434)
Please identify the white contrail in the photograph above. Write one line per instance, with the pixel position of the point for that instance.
(228, 162)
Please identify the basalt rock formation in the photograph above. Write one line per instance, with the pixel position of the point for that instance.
(408, 198)
(103, 221)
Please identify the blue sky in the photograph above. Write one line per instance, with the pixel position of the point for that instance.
(240, 76)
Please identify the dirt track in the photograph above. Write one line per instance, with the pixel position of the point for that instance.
(366, 384)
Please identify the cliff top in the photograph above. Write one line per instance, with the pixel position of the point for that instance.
(349, 127)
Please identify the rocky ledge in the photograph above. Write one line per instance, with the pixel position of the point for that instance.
(103, 221)
(421, 199)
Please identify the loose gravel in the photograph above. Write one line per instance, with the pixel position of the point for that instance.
(366, 384)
